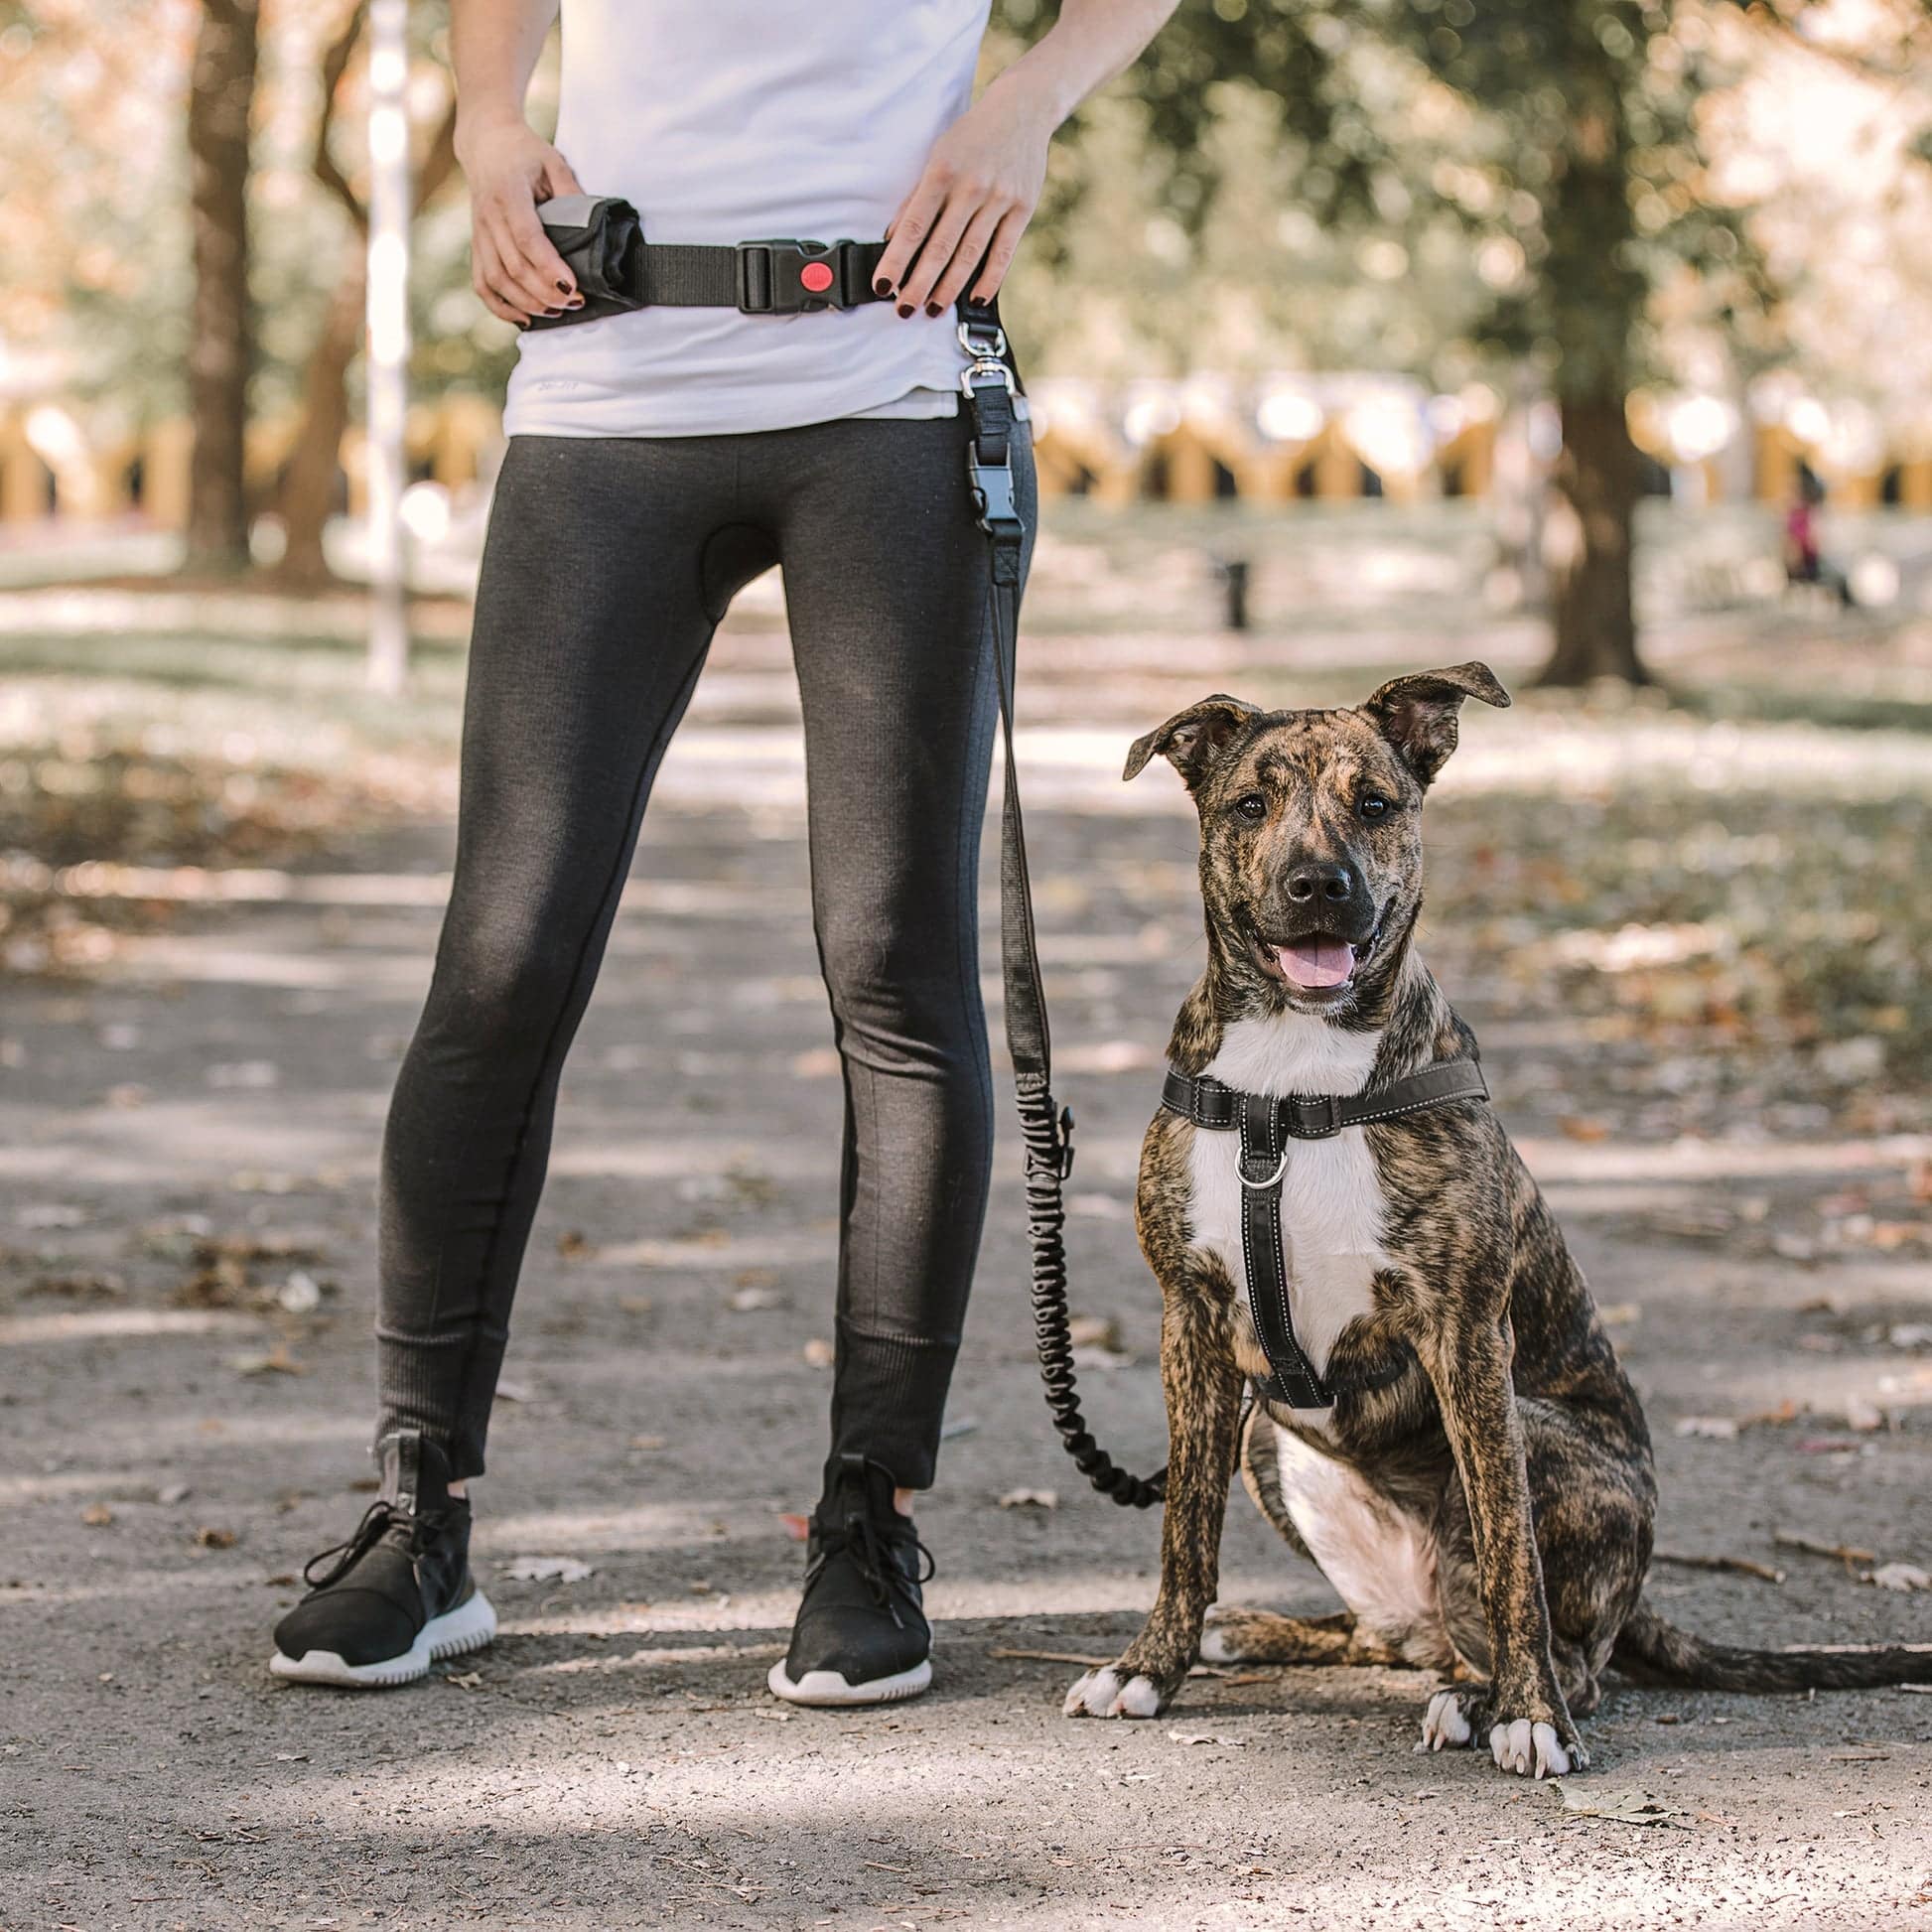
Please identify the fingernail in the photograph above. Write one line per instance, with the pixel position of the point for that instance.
(575, 302)
(553, 312)
(884, 286)
(905, 307)
(564, 287)
(932, 308)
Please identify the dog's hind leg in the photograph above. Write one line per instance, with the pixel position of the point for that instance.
(1262, 1637)
(1204, 1391)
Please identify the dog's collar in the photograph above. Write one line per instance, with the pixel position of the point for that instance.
(1202, 1099)
(1268, 1124)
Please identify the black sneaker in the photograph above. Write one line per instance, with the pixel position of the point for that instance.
(398, 1594)
(860, 1636)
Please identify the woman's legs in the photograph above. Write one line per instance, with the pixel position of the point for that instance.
(885, 586)
(608, 564)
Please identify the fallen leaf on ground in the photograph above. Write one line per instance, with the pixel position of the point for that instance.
(751, 1301)
(509, 1391)
(797, 1527)
(1205, 1737)
(1620, 1807)
(470, 1680)
(96, 1516)
(1031, 1499)
(1901, 1575)
(1093, 1331)
(213, 1539)
(1720, 1429)
(277, 1361)
(574, 1245)
(818, 1353)
(547, 1569)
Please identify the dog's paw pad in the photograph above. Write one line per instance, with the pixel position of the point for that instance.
(1444, 1727)
(1106, 1694)
(1525, 1748)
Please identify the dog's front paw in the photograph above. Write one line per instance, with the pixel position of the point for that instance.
(1452, 1719)
(1115, 1691)
(1524, 1744)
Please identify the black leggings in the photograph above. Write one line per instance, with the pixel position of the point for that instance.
(609, 563)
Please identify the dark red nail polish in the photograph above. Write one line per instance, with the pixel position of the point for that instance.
(904, 309)
(564, 287)
(553, 312)
(575, 302)
(932, 308)
(883, 286)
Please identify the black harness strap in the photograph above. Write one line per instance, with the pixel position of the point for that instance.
(1267, 1124)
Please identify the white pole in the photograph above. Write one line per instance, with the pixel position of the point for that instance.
(387, 365)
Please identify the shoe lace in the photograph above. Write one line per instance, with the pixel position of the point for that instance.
(872, 1552)
(370, 1531)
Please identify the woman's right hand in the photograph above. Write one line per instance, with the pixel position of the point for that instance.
(513, 266)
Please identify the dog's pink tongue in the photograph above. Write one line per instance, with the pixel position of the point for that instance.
(1318, 961)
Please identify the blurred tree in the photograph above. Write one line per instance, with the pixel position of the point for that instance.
(220, 103)
(307, 495)
(1576, 170)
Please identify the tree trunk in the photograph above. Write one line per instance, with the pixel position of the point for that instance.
(221, 93)
(307, 498)
(1588, 547)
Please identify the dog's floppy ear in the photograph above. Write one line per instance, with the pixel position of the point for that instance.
(1192, 740)
(1417, 713)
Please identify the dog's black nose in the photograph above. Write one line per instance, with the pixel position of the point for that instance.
(1335, 883)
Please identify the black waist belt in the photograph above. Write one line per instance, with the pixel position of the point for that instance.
(602, 240)
(1266, 1124)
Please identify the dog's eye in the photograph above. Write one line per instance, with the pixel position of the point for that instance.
(1374, 806)
(1251, 805)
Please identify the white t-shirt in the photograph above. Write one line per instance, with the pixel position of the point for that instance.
(733, 120)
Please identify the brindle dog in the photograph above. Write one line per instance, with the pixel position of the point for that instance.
(1487, 1513)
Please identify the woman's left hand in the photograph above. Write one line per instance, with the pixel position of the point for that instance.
(964, 219)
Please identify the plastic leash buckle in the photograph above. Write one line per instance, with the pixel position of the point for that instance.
(993, 499)
(789, 278)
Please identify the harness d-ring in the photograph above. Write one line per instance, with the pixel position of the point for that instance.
(1281, 1168)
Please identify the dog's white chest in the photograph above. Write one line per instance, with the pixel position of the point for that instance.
(1331, 1197)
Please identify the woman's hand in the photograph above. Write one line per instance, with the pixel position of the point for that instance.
(964, 219)
(512, 265)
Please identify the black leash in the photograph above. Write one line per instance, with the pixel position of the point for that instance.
(1048, 1130)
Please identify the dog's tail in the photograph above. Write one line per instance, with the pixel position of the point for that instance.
(1652, 1651)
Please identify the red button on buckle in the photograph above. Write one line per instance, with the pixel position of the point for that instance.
(815, 277)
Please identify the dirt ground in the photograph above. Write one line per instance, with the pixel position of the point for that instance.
(188, 1143)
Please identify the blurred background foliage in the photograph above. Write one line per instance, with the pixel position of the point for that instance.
(1563, 198)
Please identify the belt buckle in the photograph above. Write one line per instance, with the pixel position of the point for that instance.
(770, 276)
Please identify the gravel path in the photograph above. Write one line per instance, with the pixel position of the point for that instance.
(186, 1155)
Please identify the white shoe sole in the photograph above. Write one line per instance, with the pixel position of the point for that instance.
(455, 1634)
(828, 1687)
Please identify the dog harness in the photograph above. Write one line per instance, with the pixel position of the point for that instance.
(1268, 1125)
